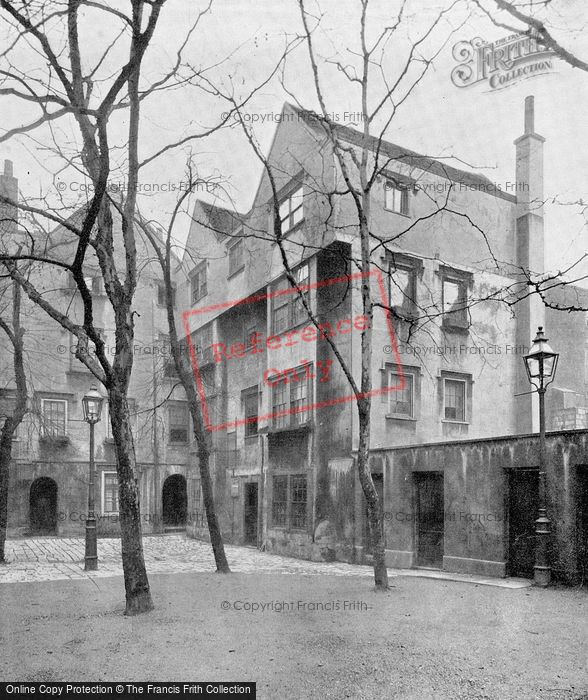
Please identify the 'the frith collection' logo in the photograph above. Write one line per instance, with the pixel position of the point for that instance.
(501, 62)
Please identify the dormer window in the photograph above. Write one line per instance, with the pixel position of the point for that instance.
(292, 210)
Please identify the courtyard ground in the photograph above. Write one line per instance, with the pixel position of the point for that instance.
(303, 635)
(423, 639)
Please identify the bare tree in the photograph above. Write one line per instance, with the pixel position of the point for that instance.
(359, 166)
(72, 89)
(162, 248)
(15, 334)
(534, 19)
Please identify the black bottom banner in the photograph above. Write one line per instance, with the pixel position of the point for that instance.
(128, 690)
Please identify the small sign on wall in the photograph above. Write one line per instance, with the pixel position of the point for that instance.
(235, 488)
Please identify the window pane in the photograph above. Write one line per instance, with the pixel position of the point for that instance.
(401, 399)
(178, 423)
(401, 294)
(299, 313)
(285, 211)
(451, 297)
(392, 200)
(198, 283)
(455, 302)
(404, 202)
(299, 397)
(296, 200)
(454, 400)
(279, 501)
(279, 403)
(280, 314)
(298, 501)
(110, 493)
(251, 411)
(250, 330)
(54, 417)
(235, 257)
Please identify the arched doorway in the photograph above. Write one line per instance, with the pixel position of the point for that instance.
(43, 506)
(175, 501)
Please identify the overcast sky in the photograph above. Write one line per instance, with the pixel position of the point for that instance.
(476, 124)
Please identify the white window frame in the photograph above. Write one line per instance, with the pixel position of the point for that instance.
(459, 318)
(464, 383)
(287, 221)
(44, 428)
(178, 405)
(394, 379)
(201, 268)
(400, 198)
(241, 262)
(103, 493)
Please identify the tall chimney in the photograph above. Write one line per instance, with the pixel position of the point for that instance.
(8, 212)
(530, 253)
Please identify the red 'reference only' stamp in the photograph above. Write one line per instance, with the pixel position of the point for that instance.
(305, 332)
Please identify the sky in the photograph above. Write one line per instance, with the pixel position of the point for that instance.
(240, 42)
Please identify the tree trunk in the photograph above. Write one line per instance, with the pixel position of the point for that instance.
(5, 458)
(374, 505)
(216, 540)
(203, 441)
(138, 595)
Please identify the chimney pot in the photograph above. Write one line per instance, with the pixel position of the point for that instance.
(8, 168)
(529, 114)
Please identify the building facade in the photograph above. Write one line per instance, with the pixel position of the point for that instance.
(450, 253)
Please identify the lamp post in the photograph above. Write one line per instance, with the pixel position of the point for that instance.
(92, 405)
(541, 363)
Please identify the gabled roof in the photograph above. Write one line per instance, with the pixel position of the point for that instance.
(394, 152)
(220, 220)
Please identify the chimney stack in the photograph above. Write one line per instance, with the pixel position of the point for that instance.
(530, 254)
(8, 189)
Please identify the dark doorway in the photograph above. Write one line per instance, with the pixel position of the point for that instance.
(523, 495)
(251, 515)
(175, 501)
(378, 480)
(582, 523)
(430, 519)
(43, 506)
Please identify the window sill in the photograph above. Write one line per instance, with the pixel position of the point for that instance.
(55, 440)
(290, 231)
(454, 422)
(302, 428)
(250, 439)
(237, 272)
(403, 315)
(454, 328)
(399, 213)
(395, 416)
(297, 327)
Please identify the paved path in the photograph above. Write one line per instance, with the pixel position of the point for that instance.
(52, 558)
(58, 558)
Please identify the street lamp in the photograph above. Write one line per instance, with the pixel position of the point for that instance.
(541, 364)
(92, 405)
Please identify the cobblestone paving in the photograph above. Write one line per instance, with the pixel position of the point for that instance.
(52, 559)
